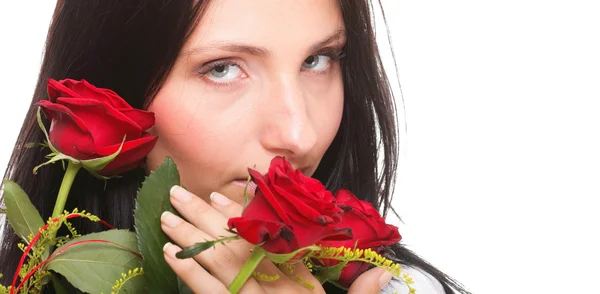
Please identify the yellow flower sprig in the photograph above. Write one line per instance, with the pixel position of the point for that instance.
(32, 273)
(344, 254)
(264, 277)
(116, 288)
(4, 289)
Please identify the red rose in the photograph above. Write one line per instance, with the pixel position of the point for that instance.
(369, 230)
(89, 122)
(289, 211)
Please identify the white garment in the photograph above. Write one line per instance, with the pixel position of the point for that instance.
(424, 283)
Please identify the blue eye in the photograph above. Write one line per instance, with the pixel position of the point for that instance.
(223, 73)
(317, 62)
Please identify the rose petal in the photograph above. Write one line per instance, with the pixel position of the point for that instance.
(277, 236)
(144, 119)
(263, 187)
(369, 232)
(260, 208)
(130, 156)
(368, 227)
(300, 203)
(305, 209)
(309, 235)
(317, 204)
(106, 124)
(351, 272)
(345, 197)
(58, 89)
(313, 185)
(68, 133)
(286, 196)
(87, 90)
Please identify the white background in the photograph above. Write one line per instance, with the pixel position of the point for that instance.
(500, 168)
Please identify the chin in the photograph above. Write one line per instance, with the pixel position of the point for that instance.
(236, 190)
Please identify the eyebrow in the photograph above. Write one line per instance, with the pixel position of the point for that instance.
(259, 51)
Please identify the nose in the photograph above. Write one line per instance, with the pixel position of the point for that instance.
(287, 128)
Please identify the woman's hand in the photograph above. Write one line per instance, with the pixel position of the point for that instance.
(212, 270)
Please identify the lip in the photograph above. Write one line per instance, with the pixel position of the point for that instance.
(242, 184)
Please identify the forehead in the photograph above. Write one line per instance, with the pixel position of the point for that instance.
(273, 24)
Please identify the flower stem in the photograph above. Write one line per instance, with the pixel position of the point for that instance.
(65, 186)
(247, 269)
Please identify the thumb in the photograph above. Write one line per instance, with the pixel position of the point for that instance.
(371, 281)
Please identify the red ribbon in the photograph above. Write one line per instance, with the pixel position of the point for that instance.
(37, 236)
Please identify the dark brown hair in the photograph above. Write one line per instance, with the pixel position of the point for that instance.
(131, 46)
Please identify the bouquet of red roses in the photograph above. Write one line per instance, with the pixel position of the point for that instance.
(291, 219)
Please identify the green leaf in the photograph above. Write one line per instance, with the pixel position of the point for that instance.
(97, 164)
(41, 125)
(95, 267)
(31, 144)
(61, 286)
(152, 200)
(331, 273)
(246, 199)
(54, 159)
(21, 214)
(193, 250)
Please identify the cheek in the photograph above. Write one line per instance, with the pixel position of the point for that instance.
(189, 131)
(328, 107)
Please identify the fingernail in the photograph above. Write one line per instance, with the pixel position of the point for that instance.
(219, 199)
(169, 250)
(384, 279)
(169, 219)
(180, 194)
(166, 246)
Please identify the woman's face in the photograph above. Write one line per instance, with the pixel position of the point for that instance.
(256, 79)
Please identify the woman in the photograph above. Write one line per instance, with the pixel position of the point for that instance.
(232, 84)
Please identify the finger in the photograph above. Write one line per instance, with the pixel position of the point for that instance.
(225, 206)
(201, 214)
(228, 209)
(206, 218)
(223, 263)
(192, 274)
(299, 272)
(371, 281)
(207, 223)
